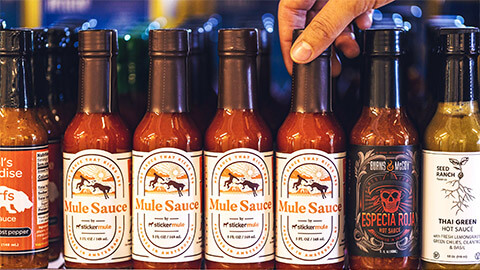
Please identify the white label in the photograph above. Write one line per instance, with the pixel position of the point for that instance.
(451, 203)
(167, 206)
(239, 217)
(97, 222)
(42, 187)
(310, 207)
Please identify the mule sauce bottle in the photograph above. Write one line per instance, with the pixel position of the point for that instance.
(239, 217)
(55, 162)
(310, 170)
(167, 173)
(451, 158)
(382, 210)
(23, 159)
(97, 163)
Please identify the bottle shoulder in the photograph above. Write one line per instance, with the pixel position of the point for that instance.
(167, 130)
(238, 129)
(447, 132)
(384, 126)
(19, 127)
(311, 131)
(97, 131)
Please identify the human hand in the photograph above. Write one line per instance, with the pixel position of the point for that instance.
(325, 22)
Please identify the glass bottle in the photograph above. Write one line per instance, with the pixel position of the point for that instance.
(23, 159)
(311, 169)
(382, 209)
(451, 157)
(55, 171)
(239, 190)
(167, 173)
(97, 163)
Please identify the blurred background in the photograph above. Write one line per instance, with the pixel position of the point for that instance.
(133, 20)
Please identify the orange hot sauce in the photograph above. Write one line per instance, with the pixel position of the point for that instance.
(238, 160)
(313, 140)
(24, 159)
(97, 162)
(167, 135)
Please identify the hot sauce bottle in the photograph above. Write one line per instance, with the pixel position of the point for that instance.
(239, 218)
(55, 223)
(97, 163)
(451, 158)
(23, 159)
(382, 210)
(311, 169)
(167, 173)
(57, 74)
(204, 100)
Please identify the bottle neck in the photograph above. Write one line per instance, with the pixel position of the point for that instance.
(458, 81)
(382, 82)
(16, 82)
(263, 70)
(237, 82)
(98, 84)
(56, 76)
(312, 91)
(40, 83)
(197, 78)
(168, 84)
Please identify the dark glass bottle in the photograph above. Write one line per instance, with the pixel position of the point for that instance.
(451, 156)
(97, 160)
(203, 98)
(311, 170)
(383, 165)
(24, 159)
(167, 136)
(41, 89)
(58, 76)
(238, 164)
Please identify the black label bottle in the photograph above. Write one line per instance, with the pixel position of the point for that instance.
(382, 212)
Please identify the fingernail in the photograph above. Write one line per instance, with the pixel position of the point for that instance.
(301, 52)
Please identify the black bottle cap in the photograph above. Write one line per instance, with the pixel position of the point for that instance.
(453, 40)
(384, 41)
(237, 41)
(98, 42)
(39, 40)
(57, 37)
(298, 32)
(16, 41)
(168, 41)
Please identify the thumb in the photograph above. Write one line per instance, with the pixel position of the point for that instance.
(327, 25)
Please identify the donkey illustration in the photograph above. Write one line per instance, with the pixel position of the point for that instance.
(320, 188)
(82, 182)
(251, 185)
(154, 181)
(178, 186)
(299, 182)
(102, 188)
(230, 180)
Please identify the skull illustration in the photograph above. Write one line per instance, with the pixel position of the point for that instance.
(390, 200)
